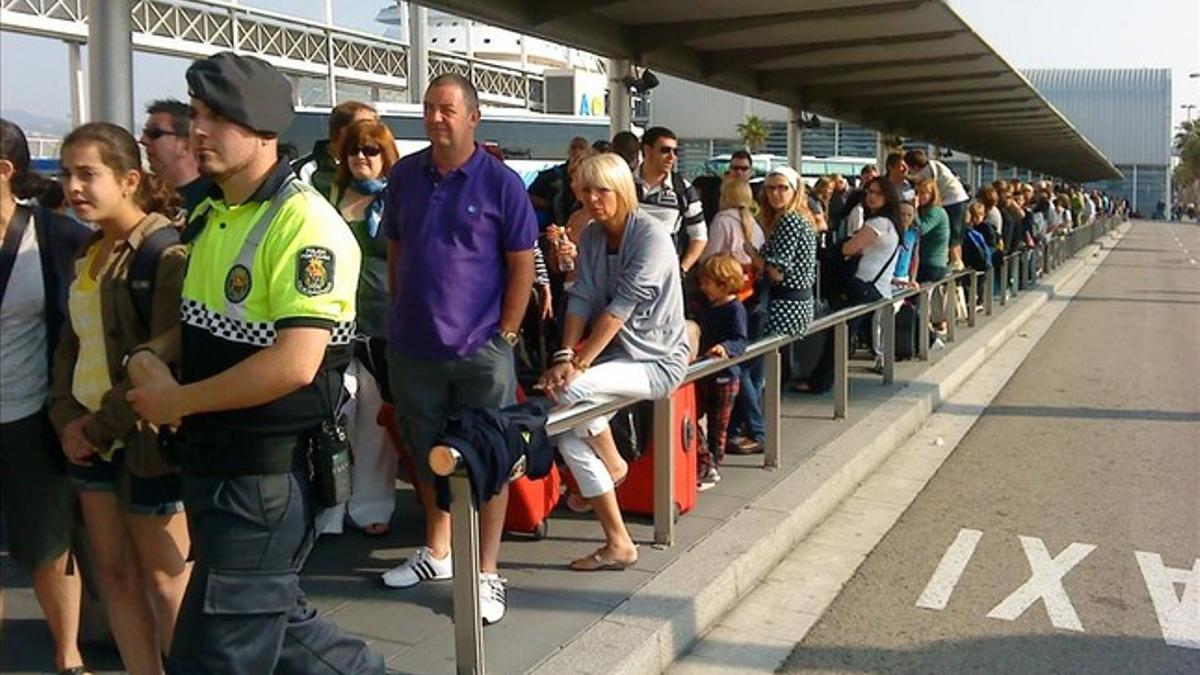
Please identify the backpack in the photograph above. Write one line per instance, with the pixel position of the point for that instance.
(975, 252)
(144, 269)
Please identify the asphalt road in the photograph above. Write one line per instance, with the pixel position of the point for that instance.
(1063, 534)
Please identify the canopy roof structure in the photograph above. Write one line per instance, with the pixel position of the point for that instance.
(909, 67)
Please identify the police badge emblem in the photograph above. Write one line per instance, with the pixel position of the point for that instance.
(314, 270)
(237, 283)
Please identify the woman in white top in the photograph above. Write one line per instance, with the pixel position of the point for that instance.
(876, 243)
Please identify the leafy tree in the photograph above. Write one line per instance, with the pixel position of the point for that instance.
(753, 132)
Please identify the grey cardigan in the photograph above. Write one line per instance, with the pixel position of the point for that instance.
(646, 293)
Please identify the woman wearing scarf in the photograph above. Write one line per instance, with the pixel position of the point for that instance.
(366, 156)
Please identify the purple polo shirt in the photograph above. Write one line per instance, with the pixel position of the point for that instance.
(453, 233)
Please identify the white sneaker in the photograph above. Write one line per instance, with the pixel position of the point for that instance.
(421, 567)
(493, 599)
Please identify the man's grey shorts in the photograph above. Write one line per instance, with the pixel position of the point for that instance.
(426, 392)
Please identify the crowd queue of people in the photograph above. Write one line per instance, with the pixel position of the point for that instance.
(179, 365)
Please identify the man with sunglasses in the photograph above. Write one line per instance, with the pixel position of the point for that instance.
(169, 151)
(741, 166)
(668, 198)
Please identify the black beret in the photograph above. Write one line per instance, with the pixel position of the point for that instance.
(243, 89)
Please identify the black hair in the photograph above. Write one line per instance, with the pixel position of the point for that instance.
(650, 138)
(891, 202)
(916, 158)
(180, 112)
(602, 146)
(25, 184)
(627, 145)
(741, 154)
(893, 159)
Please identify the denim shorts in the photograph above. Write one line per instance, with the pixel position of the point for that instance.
(157, 496)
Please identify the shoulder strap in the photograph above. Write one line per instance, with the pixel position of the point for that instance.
(680, 188)
(887, 265)
(12, 243)
(143, 270)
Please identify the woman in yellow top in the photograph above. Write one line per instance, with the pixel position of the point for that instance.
(129, 494)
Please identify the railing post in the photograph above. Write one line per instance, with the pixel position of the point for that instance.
(464, 541)
(1004, 280)
(772, 386)
(841, 370)
(889, 344)
(665, 437)
(923, 324)
(989, 290)
(1021, 270)
(950, 308)
(972, 298)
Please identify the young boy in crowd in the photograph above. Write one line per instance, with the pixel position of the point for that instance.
(722, 334)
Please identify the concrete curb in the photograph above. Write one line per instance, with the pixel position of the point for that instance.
(662, 619)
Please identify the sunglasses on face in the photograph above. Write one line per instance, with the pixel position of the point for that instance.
(366, 150)
(154, 133)
(737, 167)
(668, 150)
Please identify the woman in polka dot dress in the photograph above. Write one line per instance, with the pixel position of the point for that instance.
(789, 256)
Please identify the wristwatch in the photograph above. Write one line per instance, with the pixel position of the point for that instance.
(510, 337)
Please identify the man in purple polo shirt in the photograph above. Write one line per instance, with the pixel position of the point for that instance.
(461, 231)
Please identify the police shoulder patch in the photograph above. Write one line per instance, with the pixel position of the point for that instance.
(314, 270)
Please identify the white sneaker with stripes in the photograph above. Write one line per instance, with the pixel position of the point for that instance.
(493, 599)
(421, 567)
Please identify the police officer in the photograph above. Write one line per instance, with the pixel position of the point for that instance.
(268, 316)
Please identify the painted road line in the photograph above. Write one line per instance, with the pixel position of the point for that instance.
(941, 586)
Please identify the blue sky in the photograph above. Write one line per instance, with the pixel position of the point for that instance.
(1029, 33)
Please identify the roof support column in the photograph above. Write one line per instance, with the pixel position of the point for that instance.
(79, 113)
(110, 61)
(794, 134)
(1134, 201)
(332, 77)
(620, 103)
(418, 52)
(881, 152)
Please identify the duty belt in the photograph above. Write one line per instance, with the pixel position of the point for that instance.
(221, 452)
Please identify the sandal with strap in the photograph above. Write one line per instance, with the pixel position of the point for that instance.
(598, 562)
(75, 670)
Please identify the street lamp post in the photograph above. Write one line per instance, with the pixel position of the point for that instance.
(1189, 107)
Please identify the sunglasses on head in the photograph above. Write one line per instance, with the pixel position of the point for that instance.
(366, 150)
(155, 133)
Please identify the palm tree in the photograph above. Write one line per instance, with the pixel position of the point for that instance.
(753, 132)
(1187, 129)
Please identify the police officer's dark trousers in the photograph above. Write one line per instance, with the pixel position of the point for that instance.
(244, 612)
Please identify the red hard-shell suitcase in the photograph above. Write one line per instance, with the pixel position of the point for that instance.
(530, 503)
(636, 494)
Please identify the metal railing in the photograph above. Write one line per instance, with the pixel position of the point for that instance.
(468, 632)
(198, 28)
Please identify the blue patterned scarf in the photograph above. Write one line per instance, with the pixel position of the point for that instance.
(374, 213)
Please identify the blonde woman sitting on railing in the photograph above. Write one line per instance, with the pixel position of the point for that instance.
(628, 299)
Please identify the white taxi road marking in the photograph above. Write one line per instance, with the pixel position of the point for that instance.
(1045, 584)
(1178, 617)
(941, 585)
(1177, 612)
